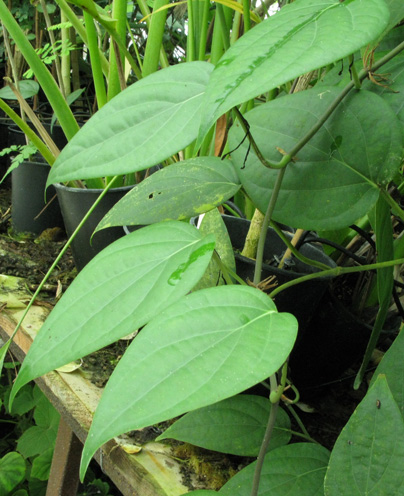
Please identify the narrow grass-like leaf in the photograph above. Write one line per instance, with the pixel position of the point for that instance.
(120, 290)
(301, 37)
(177, 192)
(293, 470)
(235, 426)
(143, 125)
(208, 346)
(336, 177)
(380, 218)
(368, 455)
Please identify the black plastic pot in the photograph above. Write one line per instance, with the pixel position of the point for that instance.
(334, 340)
(74, 204)
(300, 300)
(5, 122)
(29, 211)
(17, 137)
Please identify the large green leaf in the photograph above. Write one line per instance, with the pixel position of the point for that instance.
(336, 177)
(178, 192)
(235, 426)
(368, 455)
(208, 346)
(392, 365)
(212, 222)
(392, 87)
(120, 290)
(41, 465)
(143, 125)
(303, 36)
(293, 470)
(396, 8)
(12, 472)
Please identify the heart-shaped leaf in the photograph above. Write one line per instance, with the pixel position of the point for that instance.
(336, 177)
(120, 290)
(143, 125)
(368, 455)
(208, 346)
(27, 89)
(235, 426)
(12, 472)
(295, 470)
(301, 37)
(392, 365)
(177, 192)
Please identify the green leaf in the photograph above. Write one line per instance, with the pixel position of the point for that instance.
(177, 192)
(235, 426)
(392, 365)
(208, 346)
(45, 414)
(380, 218)
(303, 36)
(202, 492)
(35, 440)
(293, 470)
(392, 88)
(120, 290)
(212, 222)
(12, 472)
(337, 175)
(396, 8)
(143, 125)
(41, 465)
(368, 455)
(27, 90)
(24, 402)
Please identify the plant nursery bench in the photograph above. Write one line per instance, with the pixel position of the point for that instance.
(152, 471)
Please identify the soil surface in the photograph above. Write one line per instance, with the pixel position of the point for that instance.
(29, 256)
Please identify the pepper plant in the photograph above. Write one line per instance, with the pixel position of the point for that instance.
(319, 159)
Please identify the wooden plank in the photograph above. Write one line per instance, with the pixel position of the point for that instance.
(151, 472)
(64, 472)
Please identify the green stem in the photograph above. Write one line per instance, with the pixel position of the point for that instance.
(265, 442)
(191, 50)
(117, 55)
(335, 272)
(296, 253)
(246, 15)
(96, 66)
(395, 207)
(354, 73)
(223, 25)
(204, 30)
(81, 31)
(53, 41)
(154, 38)
(265, 225)
(144, 9)
(65, 58)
